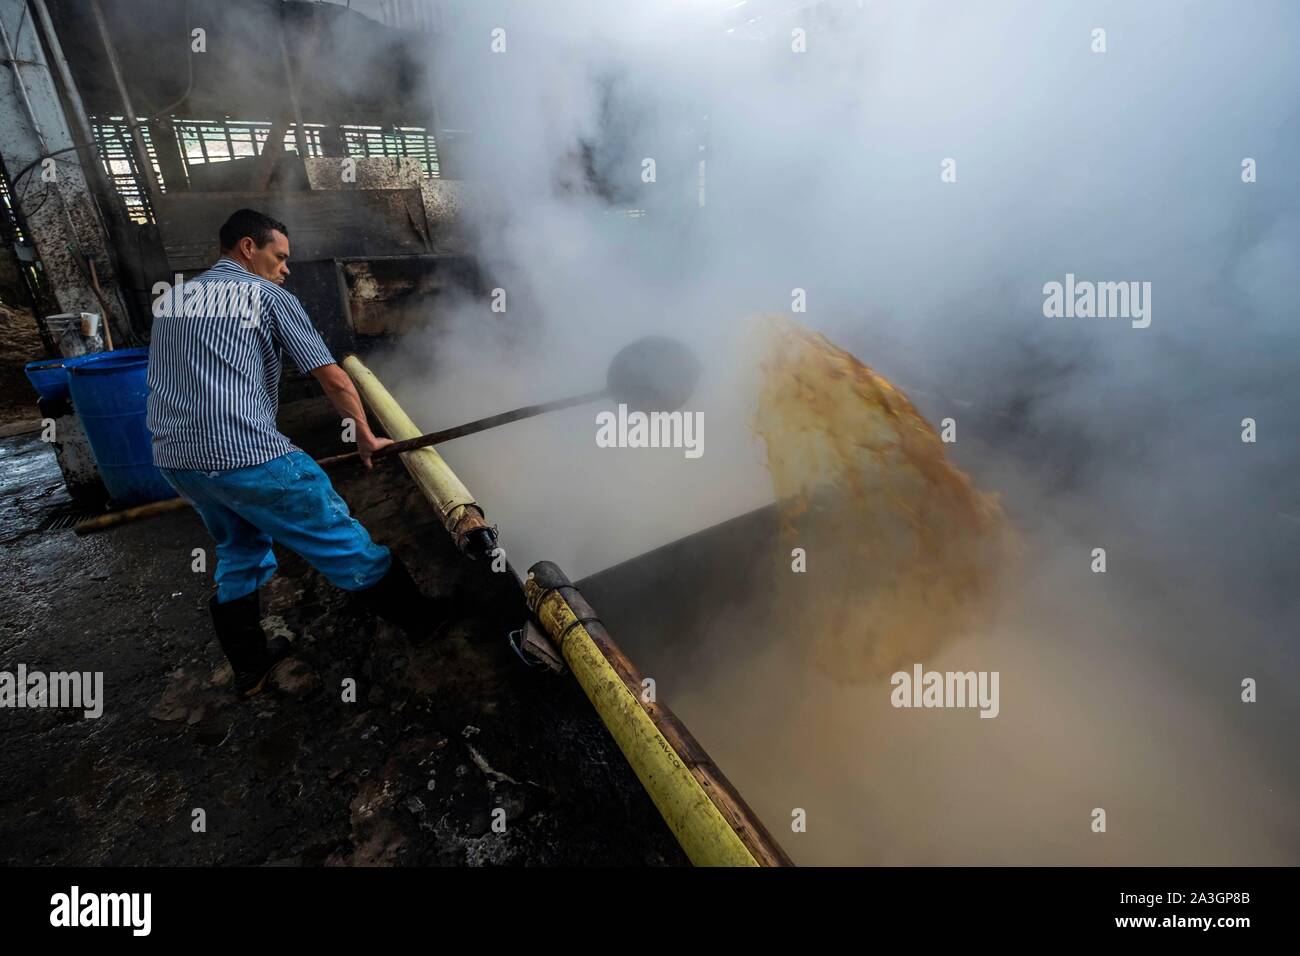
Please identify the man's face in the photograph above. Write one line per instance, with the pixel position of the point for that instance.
(272, 260)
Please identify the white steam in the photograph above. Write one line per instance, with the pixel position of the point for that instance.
(823, 173)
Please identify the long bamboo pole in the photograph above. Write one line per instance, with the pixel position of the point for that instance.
(615, 688)
(460, 513)
(692, 814)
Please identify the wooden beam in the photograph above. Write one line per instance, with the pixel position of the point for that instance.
(327, 224)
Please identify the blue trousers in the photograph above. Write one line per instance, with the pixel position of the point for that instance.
(289, 500)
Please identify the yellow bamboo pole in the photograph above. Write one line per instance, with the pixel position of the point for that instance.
(456, 506)
(699, 827)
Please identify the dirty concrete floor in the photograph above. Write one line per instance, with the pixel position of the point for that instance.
(410, 774)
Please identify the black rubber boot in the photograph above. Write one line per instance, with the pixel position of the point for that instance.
(239, 630)
(398, 600)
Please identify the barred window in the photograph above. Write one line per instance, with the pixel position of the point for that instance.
(215, 141)
(396, 141)
(203, 141)
(113, 136)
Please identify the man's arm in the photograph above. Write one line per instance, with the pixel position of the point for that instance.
(294, 333)
(343, 396)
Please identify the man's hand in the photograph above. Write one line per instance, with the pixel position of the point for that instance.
(368, 444)
(343, 396)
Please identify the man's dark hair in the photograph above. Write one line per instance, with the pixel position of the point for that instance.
(249, 222)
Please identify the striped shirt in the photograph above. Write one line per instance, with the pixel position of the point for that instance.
(214, 368)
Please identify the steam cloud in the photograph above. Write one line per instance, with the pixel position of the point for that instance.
(822, 172)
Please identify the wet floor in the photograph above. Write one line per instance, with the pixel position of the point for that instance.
(450, 754)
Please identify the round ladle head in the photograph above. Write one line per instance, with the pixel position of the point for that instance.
(653, 374)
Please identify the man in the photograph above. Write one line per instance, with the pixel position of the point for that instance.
(214, 379)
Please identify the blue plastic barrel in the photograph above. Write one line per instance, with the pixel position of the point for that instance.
(110, 391)
(48, 377)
